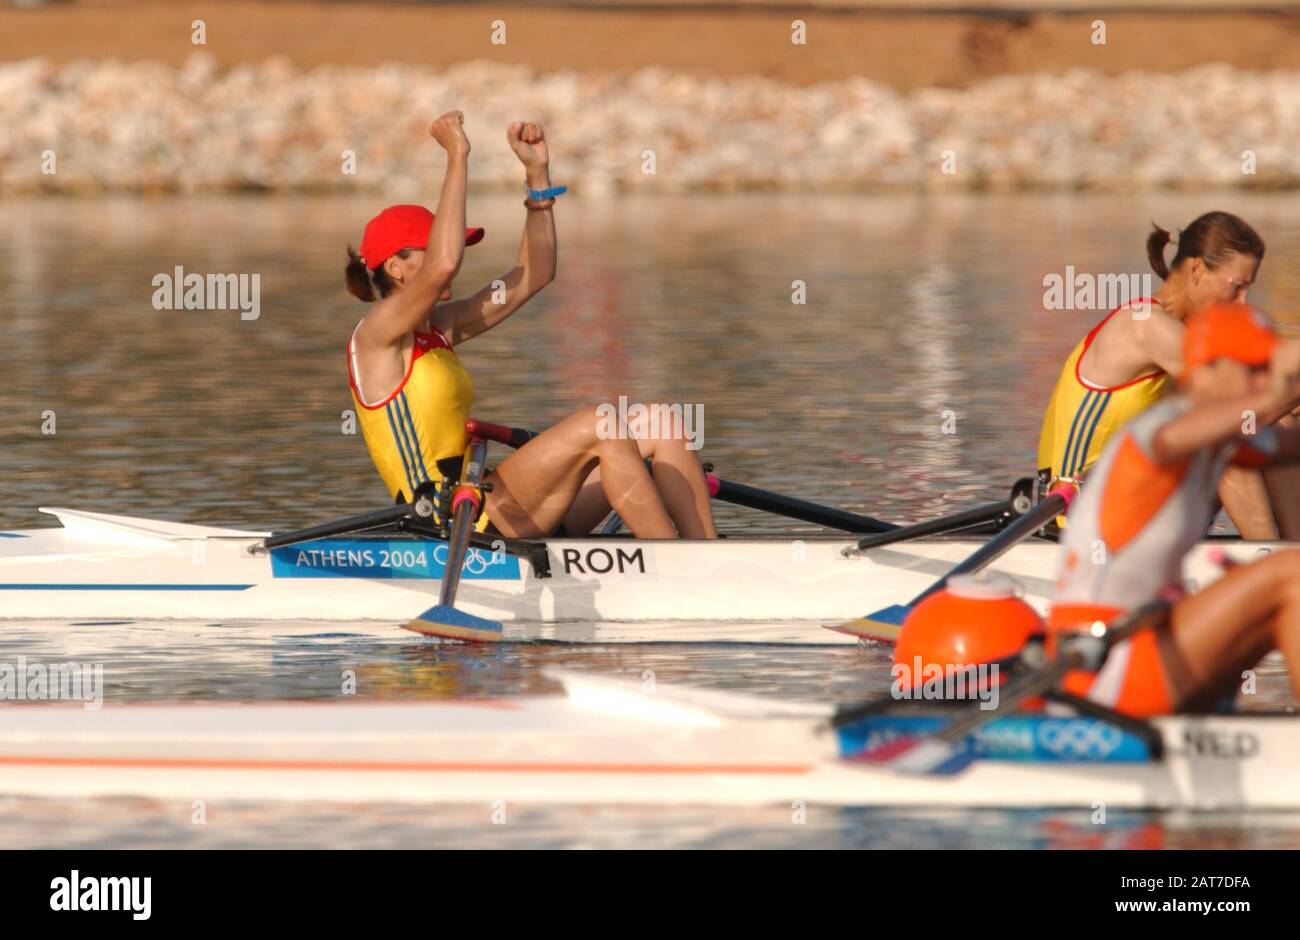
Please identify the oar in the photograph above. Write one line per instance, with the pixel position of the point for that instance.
(954, 522)
(728, 491)
(443, 619)
(884, 624)
(948, 750)
(742, 494)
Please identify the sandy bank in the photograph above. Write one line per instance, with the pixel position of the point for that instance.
(899, 50)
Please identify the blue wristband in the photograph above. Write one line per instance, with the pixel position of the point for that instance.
(543, 194)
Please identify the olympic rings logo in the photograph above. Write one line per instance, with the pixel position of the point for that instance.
(477, 561)
(1078, 739)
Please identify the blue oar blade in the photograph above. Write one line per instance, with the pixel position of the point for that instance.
(883, 626)
(452, 624)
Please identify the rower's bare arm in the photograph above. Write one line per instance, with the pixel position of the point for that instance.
(535, 265)
(1161, 339)
(1284, 371)
(396, 315)
(464, 319)
(1204, 426)
(1216, 422)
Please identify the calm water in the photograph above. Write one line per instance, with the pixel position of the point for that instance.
(915, 306)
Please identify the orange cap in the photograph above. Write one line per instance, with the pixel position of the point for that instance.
(975, 619)
(1230, 331)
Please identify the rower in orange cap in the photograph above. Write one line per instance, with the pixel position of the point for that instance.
(1147, 503)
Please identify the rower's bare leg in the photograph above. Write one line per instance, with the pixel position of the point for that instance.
(590, 507)
(1217, 633)
(1246, 499)
(534, 487)
(681, 483)
(685, 491)
(1283, 485)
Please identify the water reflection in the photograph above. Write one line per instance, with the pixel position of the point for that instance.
(113, 823)
(915, 306)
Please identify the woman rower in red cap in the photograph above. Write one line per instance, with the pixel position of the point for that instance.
(1146, 504)
(413, 395)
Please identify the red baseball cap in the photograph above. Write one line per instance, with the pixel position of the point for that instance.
(399, 227)
(1230, 331)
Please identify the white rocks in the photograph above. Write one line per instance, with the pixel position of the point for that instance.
(144, 126)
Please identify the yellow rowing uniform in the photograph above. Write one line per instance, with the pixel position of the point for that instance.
(1082, 417)
(422, 421)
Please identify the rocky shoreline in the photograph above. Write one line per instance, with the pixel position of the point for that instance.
(146, 127)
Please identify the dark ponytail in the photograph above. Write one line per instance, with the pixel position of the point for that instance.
(1156, 243)
(365, 284)
(357, 277)
(1213, 237)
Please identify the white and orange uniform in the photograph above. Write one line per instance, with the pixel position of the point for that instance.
(1130, 528)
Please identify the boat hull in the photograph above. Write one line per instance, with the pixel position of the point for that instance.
(101, 567)
(554, 750)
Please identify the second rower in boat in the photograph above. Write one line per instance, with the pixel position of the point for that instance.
(1122, 366)
(1147, 504)
(413, 395)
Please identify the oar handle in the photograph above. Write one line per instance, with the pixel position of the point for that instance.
(500, 433)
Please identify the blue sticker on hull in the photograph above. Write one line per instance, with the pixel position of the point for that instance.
(387, 558)
(1013, 737)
